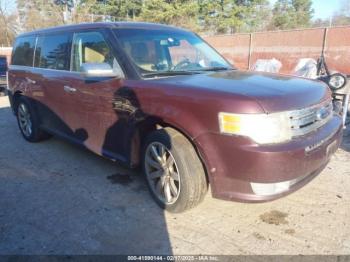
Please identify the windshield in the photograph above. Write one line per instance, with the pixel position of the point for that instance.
(169, 51)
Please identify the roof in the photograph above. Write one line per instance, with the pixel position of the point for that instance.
(130, 25)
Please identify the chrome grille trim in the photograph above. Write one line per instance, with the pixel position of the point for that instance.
(306, 120)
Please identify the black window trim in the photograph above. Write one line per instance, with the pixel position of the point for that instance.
(35, 46)
(106, 32)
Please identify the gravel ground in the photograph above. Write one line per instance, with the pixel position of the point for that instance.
(56, 198)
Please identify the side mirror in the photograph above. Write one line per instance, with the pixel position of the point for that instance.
(100, 70)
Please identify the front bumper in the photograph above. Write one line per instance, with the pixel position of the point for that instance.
(237, 167)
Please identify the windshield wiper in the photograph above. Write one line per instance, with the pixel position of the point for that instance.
(216, 68)
(170, 73)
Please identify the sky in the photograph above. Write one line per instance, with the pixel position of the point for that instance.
(324, 8)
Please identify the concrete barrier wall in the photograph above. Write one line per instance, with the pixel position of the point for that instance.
(337, 49)
(288, 47)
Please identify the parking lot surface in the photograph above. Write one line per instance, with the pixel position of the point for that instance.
(56, 198)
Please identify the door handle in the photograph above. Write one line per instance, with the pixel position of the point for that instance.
(69, 89)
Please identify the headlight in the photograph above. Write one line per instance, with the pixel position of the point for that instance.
(262, 128)
(337, 81)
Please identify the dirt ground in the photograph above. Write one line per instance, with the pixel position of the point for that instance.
(56, 198)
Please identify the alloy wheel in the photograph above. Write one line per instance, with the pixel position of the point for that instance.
(24, 120)
(162, 173)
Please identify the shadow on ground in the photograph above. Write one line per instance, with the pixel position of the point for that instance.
(57, 198)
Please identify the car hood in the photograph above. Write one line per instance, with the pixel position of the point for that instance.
(274, 92)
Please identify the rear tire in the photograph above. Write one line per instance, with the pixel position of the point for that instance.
(173, 170)
(28, 121)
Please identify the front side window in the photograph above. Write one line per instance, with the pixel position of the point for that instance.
(23, 51)
(91, 48)
(155, 51)
(52, 52)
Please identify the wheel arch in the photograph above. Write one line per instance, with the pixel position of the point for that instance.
(15, 99)
(145, 127)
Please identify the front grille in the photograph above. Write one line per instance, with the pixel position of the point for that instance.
(306, 120)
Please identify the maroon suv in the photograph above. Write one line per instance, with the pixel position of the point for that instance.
(160, 97)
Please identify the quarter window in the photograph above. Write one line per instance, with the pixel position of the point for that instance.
(52, 52)
(91, 47)
(23, 51)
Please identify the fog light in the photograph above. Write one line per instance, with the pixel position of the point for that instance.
(266, 189)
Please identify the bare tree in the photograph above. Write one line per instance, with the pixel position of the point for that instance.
(7, 23)
(342, 16)
(82, 11)
(36, 14)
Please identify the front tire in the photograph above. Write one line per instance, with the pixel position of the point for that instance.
(28, 121)
(173, 170)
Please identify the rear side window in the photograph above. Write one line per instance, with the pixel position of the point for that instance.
(23, 51)
(53, 52)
